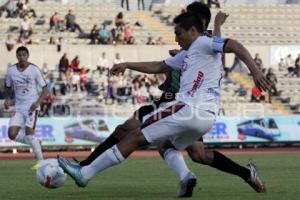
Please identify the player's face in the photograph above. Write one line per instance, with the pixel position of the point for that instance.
(182, 37)
(22, 57)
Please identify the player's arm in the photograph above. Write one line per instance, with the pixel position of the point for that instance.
(7, 95)
(154, 67)
(233, 46)
(219, 21)
(8, 91)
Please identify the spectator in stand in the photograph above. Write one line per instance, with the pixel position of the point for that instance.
(102, 63)
(59, 44)
(71, 23)
(63, 66)
(281, 65)
(75, 64)
(51, 41)
(119, 39)
(118, 59)
(83, 75)
(25, 29)
(241, 91)
(105, 36)
(271, 77)
(258, 61)
(24, 9)
(213, 2)
(54, 22)
(297, 66)
(10, 42)
(150, 41)
(143, 4)
(119, 20)
(257, 95)
(131, 41)
(127, 4)
(160, 41)
(290, 64)
(75, 80)
(49, 99)
(10, 7)
(127, 32)
(94, 35)
(28, 9)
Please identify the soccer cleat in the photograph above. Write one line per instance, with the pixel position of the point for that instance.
(73, 169)
(254, 180)
(187, 185)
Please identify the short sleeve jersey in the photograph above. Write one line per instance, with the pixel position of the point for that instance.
(201, 72)
(25, 85)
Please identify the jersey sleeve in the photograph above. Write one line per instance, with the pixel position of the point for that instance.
(39, 78)
(8, 80)
(218, 44)
(176, 61)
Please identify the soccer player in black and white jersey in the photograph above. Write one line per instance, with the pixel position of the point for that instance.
(23, 79)
(198, 96)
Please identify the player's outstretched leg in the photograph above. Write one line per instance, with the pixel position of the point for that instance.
(111, 157)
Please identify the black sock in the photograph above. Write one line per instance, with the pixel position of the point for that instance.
(225, 164)
(108, 143)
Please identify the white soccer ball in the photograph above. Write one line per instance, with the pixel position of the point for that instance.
(50, 174)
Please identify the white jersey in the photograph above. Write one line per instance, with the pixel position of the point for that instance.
(25, 85)
(201, 73)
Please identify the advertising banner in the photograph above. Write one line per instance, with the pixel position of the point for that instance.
(92, 130)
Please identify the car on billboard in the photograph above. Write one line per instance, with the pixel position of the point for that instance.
(89, 129)
(265, 128)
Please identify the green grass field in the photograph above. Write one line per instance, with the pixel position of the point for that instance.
(150, 178)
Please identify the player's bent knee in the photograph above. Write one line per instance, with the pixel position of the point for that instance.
(12, 134)
(164, 147)
(198, 157)
(120, 132)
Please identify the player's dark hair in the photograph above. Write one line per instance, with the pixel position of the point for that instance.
(201, 9)
(22, 48)
(189, 19)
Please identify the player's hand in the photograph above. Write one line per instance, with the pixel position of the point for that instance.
(118, 68)
(261, 81)
(173, 52)
(34, 106)
(6, 104)
(220, 19)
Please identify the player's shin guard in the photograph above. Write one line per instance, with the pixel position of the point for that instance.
(36, 146)
(109, 158)
(176, 162)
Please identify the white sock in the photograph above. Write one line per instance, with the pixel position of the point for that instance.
(21, 137)
(109, 158)
(176, 162)
(35, 145)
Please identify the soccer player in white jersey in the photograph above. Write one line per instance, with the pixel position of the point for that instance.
(192, 114)
(24, 78)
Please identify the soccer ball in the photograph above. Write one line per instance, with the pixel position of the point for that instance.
(50, 174)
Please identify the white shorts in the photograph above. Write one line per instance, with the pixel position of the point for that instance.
(24, 119)
(177, 122)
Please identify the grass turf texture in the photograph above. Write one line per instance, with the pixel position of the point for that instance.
(150, 178)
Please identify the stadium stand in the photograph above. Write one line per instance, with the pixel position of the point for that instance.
(256, 24)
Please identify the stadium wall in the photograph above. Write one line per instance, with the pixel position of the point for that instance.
(81, 131)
